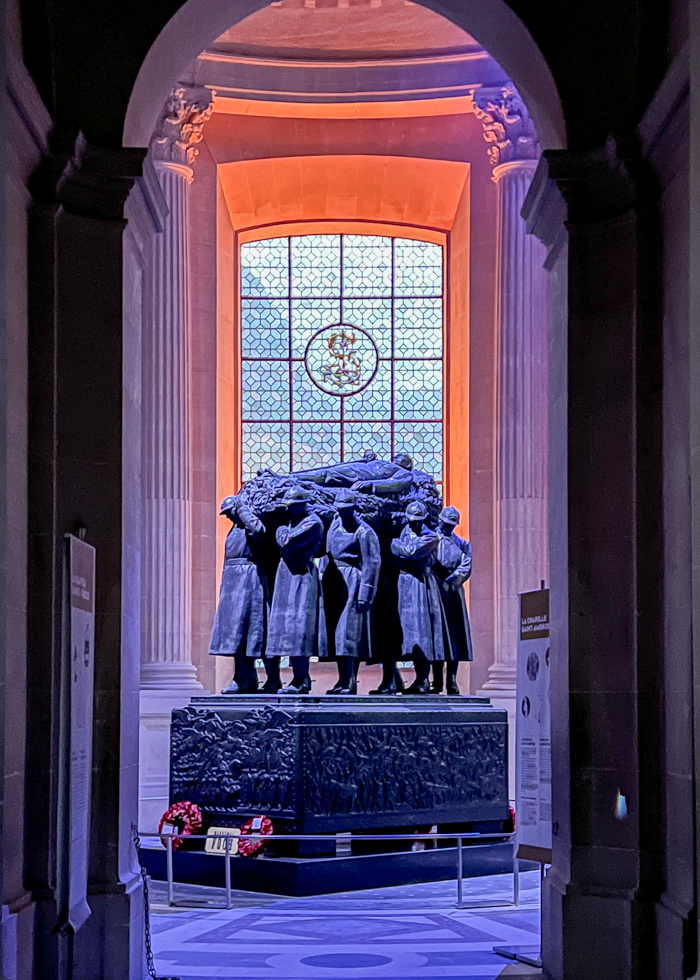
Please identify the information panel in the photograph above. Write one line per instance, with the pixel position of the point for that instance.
(76, 724)
(533, 738)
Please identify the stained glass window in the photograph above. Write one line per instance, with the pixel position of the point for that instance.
(342, 351)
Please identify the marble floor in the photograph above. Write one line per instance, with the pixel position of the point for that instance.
(408, 933)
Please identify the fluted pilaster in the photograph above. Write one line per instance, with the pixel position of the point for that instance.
(522, 399)
(166, 663)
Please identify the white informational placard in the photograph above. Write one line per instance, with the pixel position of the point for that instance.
(77, 713)
(533, 737)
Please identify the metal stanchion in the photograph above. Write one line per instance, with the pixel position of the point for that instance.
(460, 871)
(170, 871)
(228, 873)
(410, 837)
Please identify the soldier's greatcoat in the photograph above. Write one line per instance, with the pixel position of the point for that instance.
(357, 557)
(420, 606)
(240, 624)
(452, 568)
(294, 614)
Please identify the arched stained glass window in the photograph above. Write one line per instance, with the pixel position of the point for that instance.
(342, 351)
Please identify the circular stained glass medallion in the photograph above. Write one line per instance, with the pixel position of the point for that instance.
(341, 359)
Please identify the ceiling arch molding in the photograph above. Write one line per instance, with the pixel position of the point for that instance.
(198, 22)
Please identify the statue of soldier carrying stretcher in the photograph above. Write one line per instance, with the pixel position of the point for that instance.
(353, 562)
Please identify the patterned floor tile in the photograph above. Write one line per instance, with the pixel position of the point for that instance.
(410, 933)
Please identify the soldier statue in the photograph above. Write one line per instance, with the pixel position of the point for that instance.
(452, 568)
(353, 548)
(240, 625)
(425, 640)
(368, 475)
(294, 615)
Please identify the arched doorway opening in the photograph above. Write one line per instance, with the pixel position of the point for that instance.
(170, 665)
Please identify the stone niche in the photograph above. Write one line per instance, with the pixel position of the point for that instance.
(336, 764)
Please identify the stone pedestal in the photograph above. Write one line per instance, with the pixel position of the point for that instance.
(335, 764)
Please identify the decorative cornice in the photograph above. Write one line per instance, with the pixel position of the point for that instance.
(595, 184)
(85, 179)
(574, 189)
(507, 125)
(180, 126)
(544, 212)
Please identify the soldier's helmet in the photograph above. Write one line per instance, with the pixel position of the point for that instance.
(450, 515)
(295, 495)
(228, 505)
(345, 498)
(416, 511)
(403, 459)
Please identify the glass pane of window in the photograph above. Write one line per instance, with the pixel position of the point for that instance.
(265, 268)
(374, 316)
(308, 401)
(265, 444)
(417, 268)
(366, 265)
(418, 328)
(372, 436)
(309, 316)
(265, 328)
(423, 442)
(316, 265)
(418, 389)
(315, 444)
(293, 288)
(265, 389)
(374, 401)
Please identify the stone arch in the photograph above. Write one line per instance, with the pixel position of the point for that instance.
(494, 25)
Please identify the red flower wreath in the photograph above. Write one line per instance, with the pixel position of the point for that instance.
(250, 843)
(187, 817)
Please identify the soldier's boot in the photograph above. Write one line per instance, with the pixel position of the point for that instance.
(389, 684)
(421, 684)
(240, 683)
(272, 669)
(346, 676)
(253, 685)
(452, 687)
(301, 680)
(438, 678)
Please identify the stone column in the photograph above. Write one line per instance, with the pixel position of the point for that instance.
(78, 475)
(521, 416)
(521, 381)
(168, 676)
(166, 663)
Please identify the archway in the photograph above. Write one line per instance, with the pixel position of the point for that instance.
(149, 79)
(494, 25)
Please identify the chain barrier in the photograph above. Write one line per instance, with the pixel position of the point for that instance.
(150, 965)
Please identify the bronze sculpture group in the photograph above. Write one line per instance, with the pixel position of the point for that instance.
(354, 563)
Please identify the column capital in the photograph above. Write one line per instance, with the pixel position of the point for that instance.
(507, 124)
(180, 128)
(527, 167)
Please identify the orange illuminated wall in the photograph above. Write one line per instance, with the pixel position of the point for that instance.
(401, 197)
(426, 177)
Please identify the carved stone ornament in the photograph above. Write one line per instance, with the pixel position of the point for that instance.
(179, 128)
(507, 125)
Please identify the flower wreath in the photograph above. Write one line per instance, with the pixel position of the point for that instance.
(251, 842)
(186, 816)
